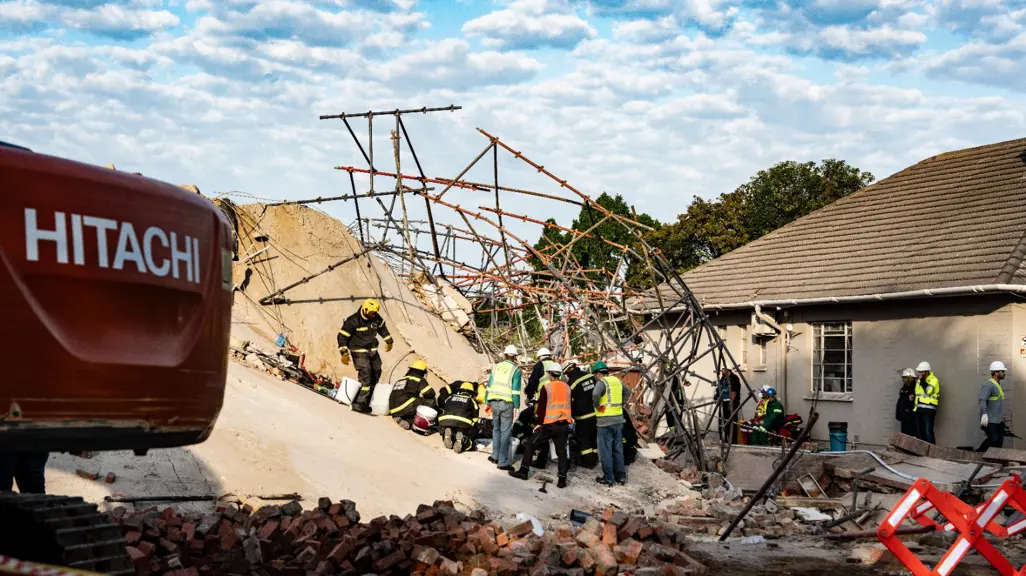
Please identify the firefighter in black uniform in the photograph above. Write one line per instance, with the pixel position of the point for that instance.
(359, 337)
(459, 416)
(583, 406)
(409, 393)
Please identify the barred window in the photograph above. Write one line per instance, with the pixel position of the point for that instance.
(831, 357)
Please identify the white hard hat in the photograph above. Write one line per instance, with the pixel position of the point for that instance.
(997, 366)
(553, 368)
(567, 365)
(764, 388)
(510, 350)
(908, 373)
(924, 367)
(542, 352)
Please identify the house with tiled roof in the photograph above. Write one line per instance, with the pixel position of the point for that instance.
(925, 265)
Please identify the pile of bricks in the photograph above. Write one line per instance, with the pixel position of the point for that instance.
(437, 540)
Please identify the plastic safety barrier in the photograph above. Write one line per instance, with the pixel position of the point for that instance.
(971, 523)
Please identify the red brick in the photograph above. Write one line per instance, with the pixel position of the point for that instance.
(386, 563)
(450, 568)
(607, 515)
(196, 545)
(87, 475)
(605, 562)
(132, 538)
(501, 566)
(587, 561)
(586, 538)
(502, 539)
(520, 529)
(334, 509)
(629, 529)
(629, 551)
(340, 552)
(425, 555)
(168, 546)
(609, 535)
(147, 548)
(189, 530)
(569, 558)
(175, 535)
(111, 477)
(307, 554)
(644, 531)
(268, 530)
(229, 541)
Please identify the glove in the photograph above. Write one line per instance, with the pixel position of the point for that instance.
(984, 420)
(345, 356)
(488, 409)
(388, 346)
(602, 408)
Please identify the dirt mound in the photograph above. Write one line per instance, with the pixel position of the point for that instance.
(282, 245)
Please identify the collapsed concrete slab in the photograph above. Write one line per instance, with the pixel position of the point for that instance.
(281, 245)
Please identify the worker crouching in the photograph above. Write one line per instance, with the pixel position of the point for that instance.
(772, 421)
(459, 417)
(409, 393)
(553, 414)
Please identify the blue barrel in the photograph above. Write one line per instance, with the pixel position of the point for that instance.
(838, 436)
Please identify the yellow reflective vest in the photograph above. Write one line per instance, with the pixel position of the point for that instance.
(928, 397)
(612, 399)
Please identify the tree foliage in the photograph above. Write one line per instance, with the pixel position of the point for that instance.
(770, 199)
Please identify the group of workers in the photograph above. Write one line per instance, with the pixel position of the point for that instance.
(769, 412)
(554, 402)
(919, 400)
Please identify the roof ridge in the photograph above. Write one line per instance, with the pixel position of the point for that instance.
(1014, 262)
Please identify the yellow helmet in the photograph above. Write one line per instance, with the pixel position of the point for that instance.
(370, 305)
(419, 365)
(468, 386)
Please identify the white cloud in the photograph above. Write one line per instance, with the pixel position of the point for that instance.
(529, 24)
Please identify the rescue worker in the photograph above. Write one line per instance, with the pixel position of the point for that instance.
(772, 421)
(609, 396)
(927, 400)
(409, 393)
(538, 376)
(728, 393)
(502, 398)
(904, 412)
(582, 408)
(992, 408)
(459, 416)
(554, 418)
(28, 469)
(359, 337)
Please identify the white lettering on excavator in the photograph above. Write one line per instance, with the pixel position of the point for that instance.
(184, 255)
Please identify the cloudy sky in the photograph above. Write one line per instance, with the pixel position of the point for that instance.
(659, 100)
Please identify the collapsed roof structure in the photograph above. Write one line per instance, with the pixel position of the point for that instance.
(529, 294)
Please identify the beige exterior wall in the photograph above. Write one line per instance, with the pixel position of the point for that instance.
(958, 336)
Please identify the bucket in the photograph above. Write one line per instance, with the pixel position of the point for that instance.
(838, 436)
(379, 401)
(425, 418)
(347, 390)
(514, 443)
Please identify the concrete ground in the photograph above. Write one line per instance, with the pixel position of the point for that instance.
(275, 437)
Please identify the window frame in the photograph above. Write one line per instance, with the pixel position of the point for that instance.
(817, 349)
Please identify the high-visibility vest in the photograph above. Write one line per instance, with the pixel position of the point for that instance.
(500, 386)
(760, 408)
(557, 402)
(612, 399)
(930, 397)
(545, 379)
(1001, 392)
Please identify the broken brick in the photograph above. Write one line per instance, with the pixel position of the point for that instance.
(386, 563)
(425, 555)
(267, 531)
(609, 535)
(520, 529)
(87, 475)
(292, 508)
(111, 477)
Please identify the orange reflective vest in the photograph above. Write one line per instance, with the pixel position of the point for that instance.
(557, 402)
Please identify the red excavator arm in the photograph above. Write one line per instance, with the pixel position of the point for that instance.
(115, 308)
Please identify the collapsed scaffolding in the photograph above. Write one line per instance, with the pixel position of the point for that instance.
(584, 313)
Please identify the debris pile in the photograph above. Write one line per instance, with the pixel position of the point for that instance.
(437, 540)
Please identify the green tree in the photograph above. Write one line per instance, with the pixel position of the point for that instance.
(770, 199)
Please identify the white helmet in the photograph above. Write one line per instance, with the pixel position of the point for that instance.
(543, 353)
(924, 367)
(908, 373)
(553, 368)
(997, 366)
(510, 350)
(569, 365)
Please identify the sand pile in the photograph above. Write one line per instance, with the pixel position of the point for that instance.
(280, 245)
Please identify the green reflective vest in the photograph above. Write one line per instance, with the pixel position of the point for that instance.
(612, 399)
(500, 385)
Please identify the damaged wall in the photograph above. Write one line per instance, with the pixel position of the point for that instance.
(280, 245)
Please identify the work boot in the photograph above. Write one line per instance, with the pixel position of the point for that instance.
(601, 480)
(506, 468)
(447, 438)
(493, 460)
(562, 482)
(362, 408)
(404, 423)
(460, 443)
(520, 474)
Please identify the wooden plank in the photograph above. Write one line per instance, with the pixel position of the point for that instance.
(803, 502)
(1003, 455)
(910, 444)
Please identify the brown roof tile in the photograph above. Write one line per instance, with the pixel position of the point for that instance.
(956, 219)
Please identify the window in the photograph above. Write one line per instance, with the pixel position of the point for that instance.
(831, 357)
(722, 331)
(761, 350)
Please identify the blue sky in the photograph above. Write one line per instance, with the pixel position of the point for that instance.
(659, 100)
